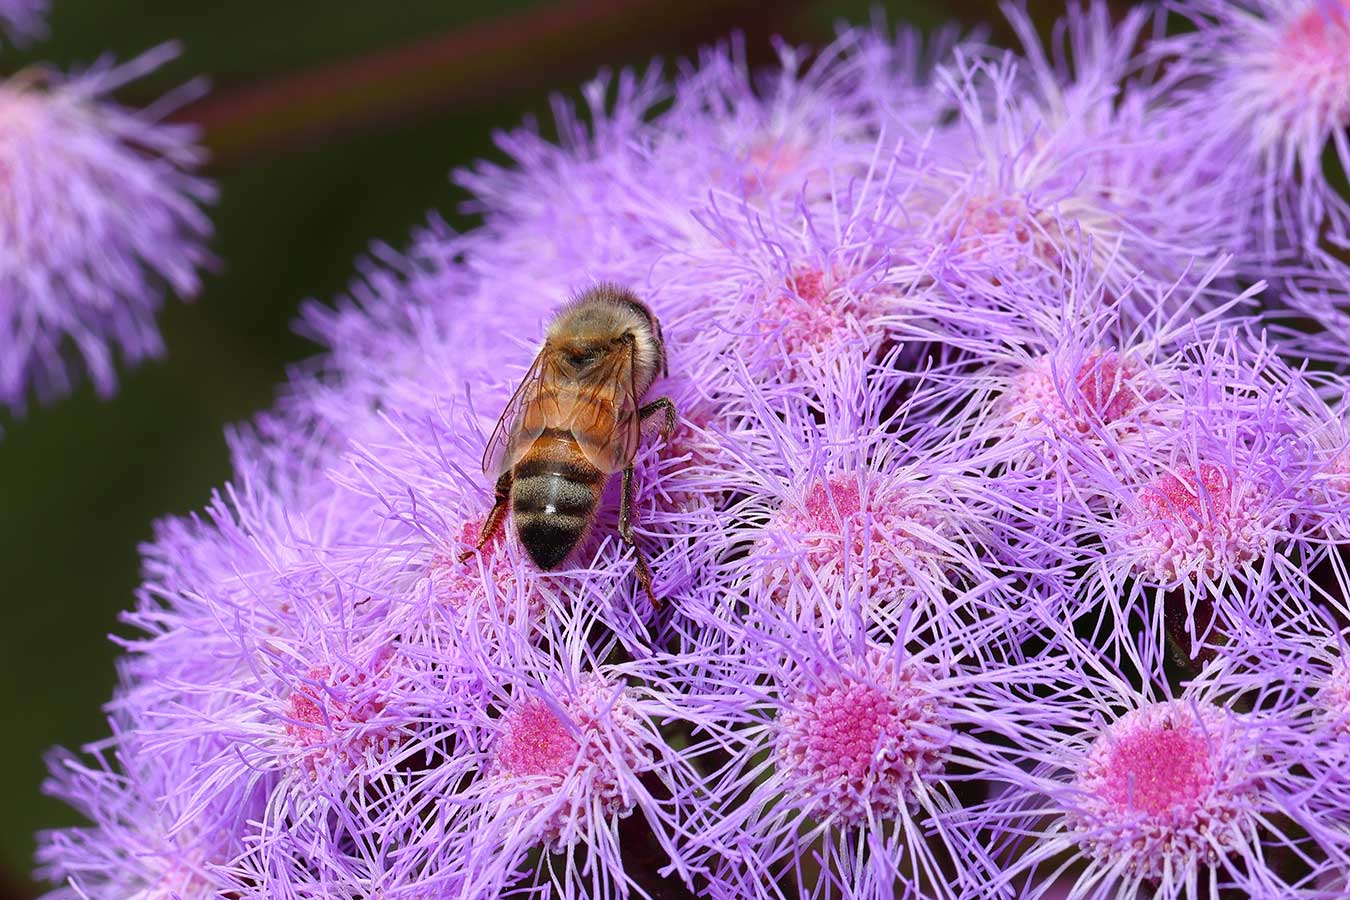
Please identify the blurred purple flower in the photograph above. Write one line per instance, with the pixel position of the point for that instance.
(1264, 87)
(102, 214)
(23, 20)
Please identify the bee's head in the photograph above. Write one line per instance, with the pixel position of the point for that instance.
(609, 319)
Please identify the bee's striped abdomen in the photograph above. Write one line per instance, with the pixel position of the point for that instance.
(554, 492)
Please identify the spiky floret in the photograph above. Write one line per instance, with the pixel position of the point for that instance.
(102, 215)
(574, 774)
(1264, 84)
(1056, 163)
(1174, 794)
(847, 752)
(1208, 522)
(1163, 786)
(147, 838)
(1083, 383)
(846, 506)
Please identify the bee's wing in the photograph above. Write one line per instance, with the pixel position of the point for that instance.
(604, 415)
(521, 422)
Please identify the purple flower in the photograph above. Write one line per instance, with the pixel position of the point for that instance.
(23, 20)
(1180, 794)
(1263, 85)
(855, 755)
(1001, 532)
(147, 837)
(102, 215)
(1055, 164)
(575, 767)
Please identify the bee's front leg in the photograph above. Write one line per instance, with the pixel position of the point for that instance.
(495, 517)
(644, 574)
(660, 404)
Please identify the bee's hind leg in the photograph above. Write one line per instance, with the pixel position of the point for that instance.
(644, 574)
(660, 404)
(495, 517)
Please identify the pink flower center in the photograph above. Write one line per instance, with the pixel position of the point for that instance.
(1183, 496)
(1320, 35)
(1003, 230)
(848, 723)
(534, 741)
(1155, 770)
(812, 315)
(1102, 383)
(1335, 697)
(1161, 787)
(879, 537)
(335, 719)
(1098, 404)
(465, 587)
(560, 777)
(1338, 472)
(1312, 54)
(857, 746)
(827, 507)
(768, 163)
(1187, 523)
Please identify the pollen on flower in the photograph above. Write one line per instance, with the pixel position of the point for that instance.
(811, 315)
(335, 720)
(1187, 523)
(876, 534)
(1103, 392)
(534, 741)
(1161, 788)
(1310, 59)
(568, 772)
(856, 747)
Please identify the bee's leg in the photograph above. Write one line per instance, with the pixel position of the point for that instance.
(495, 517)
(660, 404)
(644, 574)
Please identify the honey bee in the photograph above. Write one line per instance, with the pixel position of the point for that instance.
(575, 420)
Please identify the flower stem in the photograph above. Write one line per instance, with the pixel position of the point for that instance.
(545, 46)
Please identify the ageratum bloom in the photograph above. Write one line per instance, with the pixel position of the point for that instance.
(1209, 521)
(147, 837)
(976, 468)
(1264, 88)
(1144, 789)
(1051, 164)
(573, 774)
(856, 755)
(101, 216)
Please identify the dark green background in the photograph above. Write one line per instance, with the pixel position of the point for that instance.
(81, 482)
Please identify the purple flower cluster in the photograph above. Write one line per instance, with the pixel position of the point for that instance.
(100, 215)
(1003, 534)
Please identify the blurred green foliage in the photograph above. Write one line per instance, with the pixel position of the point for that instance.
(81, 482)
